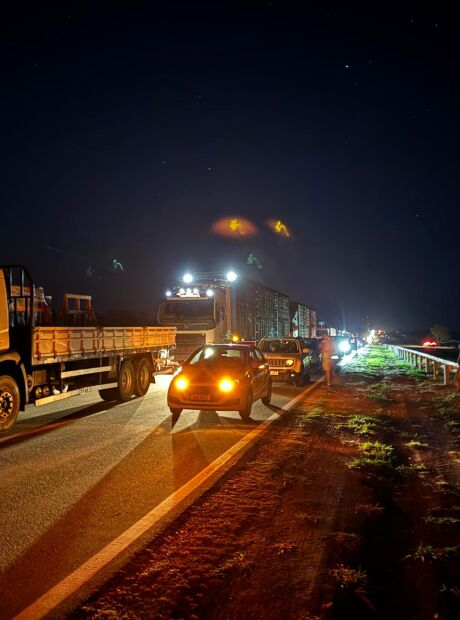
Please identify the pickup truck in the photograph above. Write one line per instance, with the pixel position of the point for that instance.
(289, 360)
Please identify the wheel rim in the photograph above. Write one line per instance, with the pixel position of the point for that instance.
(126, 381)
(6, 406)
(144, 376)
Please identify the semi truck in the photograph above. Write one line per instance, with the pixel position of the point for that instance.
(41, 363)
(303, 320)
(222, 309)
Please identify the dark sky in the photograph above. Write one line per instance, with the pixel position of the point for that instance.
(128, 129)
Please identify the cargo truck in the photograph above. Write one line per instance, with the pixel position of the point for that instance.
(222, 309)
(303, 320)
(42, 363)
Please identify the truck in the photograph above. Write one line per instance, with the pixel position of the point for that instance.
(303, 320)
(222, 309)
(41, 363)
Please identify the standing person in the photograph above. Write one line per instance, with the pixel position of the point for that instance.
(326, 347)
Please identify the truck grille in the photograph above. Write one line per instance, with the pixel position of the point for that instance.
(186, 344)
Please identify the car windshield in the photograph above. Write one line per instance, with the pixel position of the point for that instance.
(279, 346)
(220, 356)
(310, 343)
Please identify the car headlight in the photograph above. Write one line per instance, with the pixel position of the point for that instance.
(344, 346)
(290, 362)
(181, 383)
(227, 385)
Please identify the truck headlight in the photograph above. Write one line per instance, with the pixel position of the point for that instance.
(290, 362)
(344, 346)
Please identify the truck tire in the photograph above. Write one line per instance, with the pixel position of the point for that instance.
(245, 413)
(142, 376)
(126, 381)
(109, 395)
(10, 400)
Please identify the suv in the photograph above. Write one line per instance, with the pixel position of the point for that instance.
(288, 359)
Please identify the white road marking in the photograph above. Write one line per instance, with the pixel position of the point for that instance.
(73, 582)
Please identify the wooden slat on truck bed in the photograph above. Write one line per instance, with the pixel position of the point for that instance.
(53, 344)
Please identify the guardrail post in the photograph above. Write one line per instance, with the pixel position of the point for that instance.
(446, 377)
(425, 364)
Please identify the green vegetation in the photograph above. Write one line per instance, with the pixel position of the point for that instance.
(380, 392)
(378, 361)
(377, 457)
(349, 578)
(441, 520)
(428, 553)
(415, 443)
(362, 425)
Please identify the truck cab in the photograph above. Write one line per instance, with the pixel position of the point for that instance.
(288, 359)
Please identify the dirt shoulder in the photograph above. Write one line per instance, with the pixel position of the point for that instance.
(351, 508)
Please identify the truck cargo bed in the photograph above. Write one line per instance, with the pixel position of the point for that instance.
(61, 344)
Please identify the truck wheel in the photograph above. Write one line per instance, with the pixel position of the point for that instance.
(142, 376)
(109, 395)
(267, 398)
(245, 413)
(126, 379)
(9, 402)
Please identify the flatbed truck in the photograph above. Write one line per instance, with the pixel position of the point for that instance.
(41, 364)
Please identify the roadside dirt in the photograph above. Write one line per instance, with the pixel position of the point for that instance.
(351, 508)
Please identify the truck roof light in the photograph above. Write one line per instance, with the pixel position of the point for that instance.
(231, 276)
(210, 292)
(188, 278)
(168, 293)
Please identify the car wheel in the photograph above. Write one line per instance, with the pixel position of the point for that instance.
(245, 413)
(268, 396)
(300, 380)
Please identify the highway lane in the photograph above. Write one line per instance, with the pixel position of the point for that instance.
(76, 474)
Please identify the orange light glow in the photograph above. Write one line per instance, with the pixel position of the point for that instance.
(181, 383)
(226, 385)
(235, 227)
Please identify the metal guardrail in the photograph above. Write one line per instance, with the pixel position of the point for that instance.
(428, 363)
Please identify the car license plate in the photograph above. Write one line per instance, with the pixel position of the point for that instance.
(200, 396)
(273, 372)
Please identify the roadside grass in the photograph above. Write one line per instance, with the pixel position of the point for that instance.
(380, 392)
(349, 578)
(362, 425)
(378, 361)
(376, 457)
(441, 520)
(416, 443)
(429, 553)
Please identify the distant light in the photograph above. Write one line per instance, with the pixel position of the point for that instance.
(345, 346)
(188, 278)
(231, 276)
(210, 293)
(168, 293)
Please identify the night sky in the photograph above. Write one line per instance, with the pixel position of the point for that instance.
(128, 129)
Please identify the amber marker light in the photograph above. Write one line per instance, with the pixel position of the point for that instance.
(226, 385)
(181, 383)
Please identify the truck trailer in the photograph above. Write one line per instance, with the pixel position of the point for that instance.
(42, 363)
(220, 310)
(303, 320)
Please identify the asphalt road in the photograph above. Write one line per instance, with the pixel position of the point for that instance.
(76, 474)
